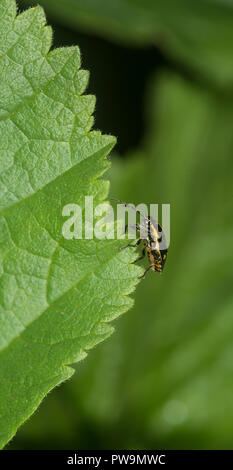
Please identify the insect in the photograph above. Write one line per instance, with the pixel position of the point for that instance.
(153, 238)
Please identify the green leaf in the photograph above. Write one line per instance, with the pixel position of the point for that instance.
(57, 296)
(198, 34)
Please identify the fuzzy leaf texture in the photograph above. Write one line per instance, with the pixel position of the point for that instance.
(57, 296)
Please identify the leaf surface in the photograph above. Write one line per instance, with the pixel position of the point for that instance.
(57, 296)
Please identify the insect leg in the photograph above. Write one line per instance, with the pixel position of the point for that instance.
(135, 227)
(131, 226)
(130, 244)
(138, 228)
(147, 269)
(143, 253)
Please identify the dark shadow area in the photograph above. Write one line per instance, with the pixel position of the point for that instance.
(118, 78)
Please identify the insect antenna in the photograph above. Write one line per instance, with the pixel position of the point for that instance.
(129, 205)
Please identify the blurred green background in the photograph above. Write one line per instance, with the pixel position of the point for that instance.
(163, 75)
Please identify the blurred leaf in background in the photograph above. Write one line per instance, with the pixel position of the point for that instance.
(199, 34)
(165, 380)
